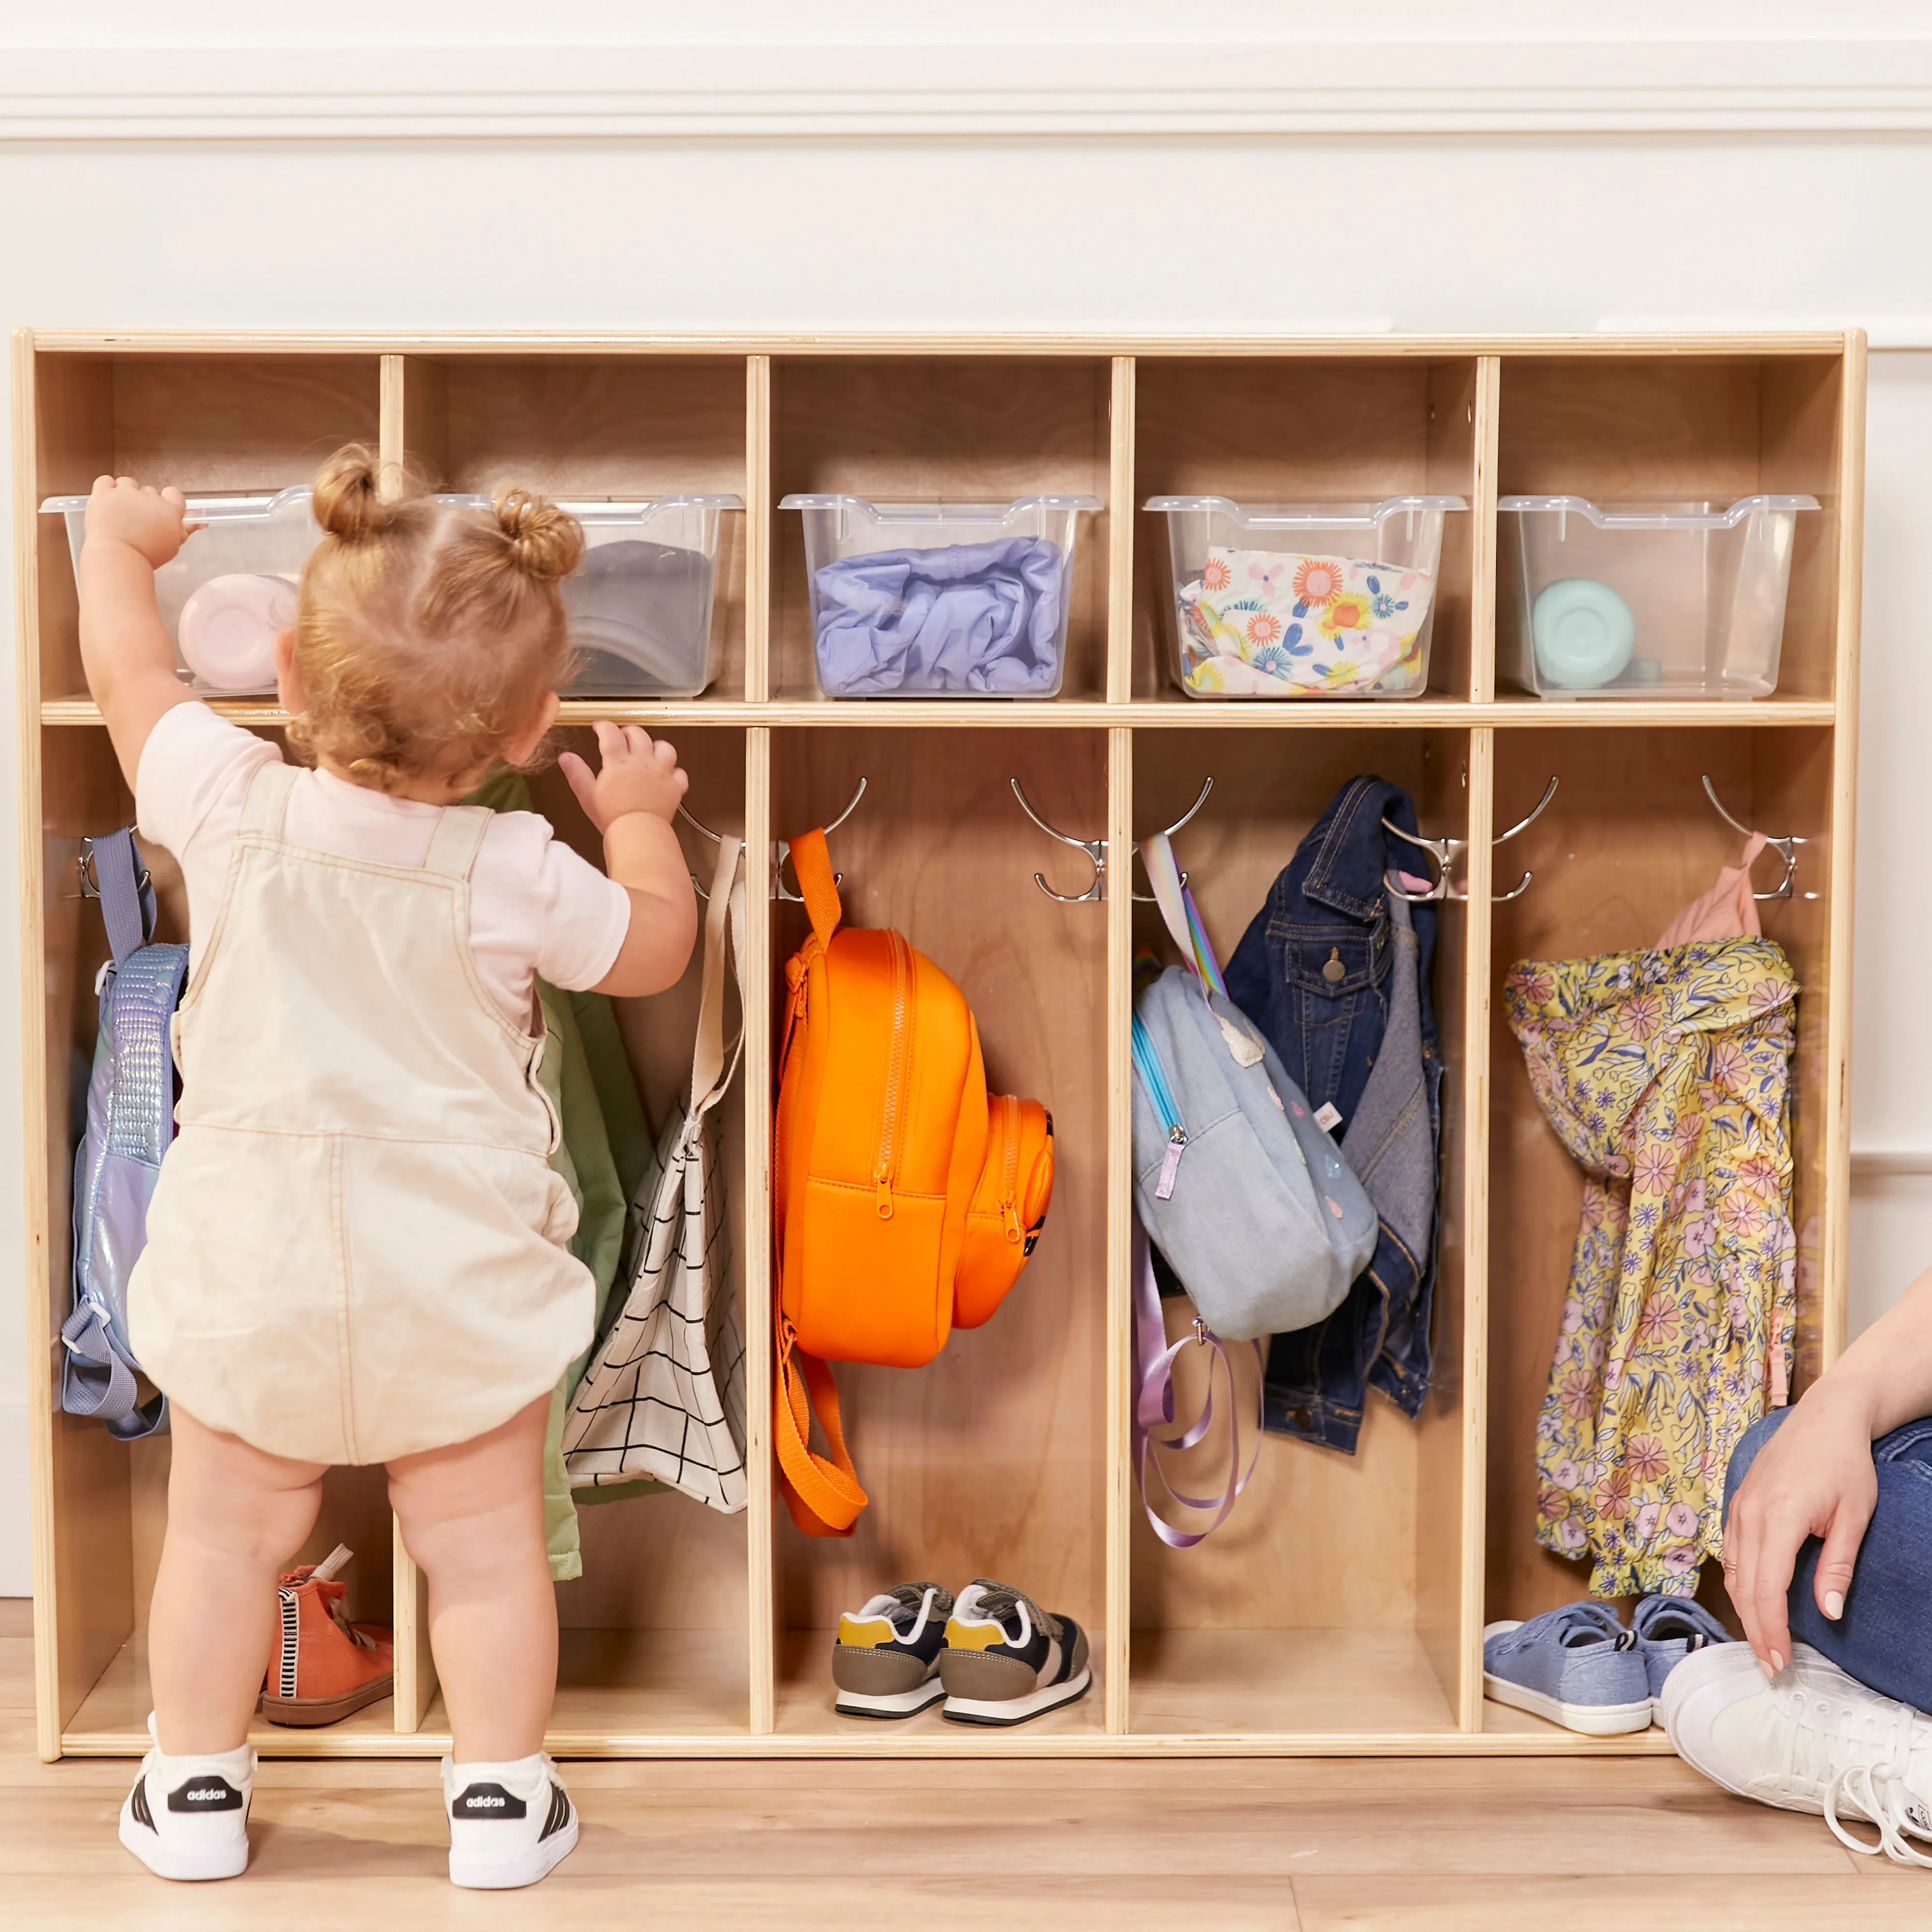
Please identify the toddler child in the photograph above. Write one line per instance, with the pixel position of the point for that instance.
(355, 1249)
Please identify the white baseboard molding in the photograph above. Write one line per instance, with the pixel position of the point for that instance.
(1379, 90)
(16, 1541)
(1890, 1163)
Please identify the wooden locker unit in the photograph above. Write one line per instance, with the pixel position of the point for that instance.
(1340, 1609)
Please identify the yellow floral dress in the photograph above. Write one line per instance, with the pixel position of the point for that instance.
(1667, 1073)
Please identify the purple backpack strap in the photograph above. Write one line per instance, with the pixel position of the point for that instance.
(1154, 1357)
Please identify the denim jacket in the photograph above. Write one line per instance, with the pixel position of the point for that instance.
(1329, 969)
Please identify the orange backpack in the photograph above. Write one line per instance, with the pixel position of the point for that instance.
(904, 1205)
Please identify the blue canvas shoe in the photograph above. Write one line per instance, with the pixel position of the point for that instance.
(1668, 1629)
(1577, 1666)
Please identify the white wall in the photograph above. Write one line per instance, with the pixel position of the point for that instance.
(1704, 222)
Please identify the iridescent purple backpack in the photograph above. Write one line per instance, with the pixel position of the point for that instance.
(131, 1121)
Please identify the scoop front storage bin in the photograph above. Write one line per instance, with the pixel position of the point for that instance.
(939, 600)
(1303, 600)
(1645, 600)
(229, 588)
(639, 603)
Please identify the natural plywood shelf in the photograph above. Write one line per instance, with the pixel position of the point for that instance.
(671, 1693)
(1340, 1611)
(1190, 1683)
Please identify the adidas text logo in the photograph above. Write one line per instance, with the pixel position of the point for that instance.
(205, 1797)
(482, 1804)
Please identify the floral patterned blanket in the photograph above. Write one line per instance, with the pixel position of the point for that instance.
(1667, 1074)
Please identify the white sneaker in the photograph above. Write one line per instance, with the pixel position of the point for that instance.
(509, 1824)
(188, 1817)
(1813, 1739)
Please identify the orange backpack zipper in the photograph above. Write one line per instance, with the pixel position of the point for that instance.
(1010, 1186)
(883, 1166)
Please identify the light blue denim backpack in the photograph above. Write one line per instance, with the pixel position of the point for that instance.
(1236, 1183)
(131, 1122)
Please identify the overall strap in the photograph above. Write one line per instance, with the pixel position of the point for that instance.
(266, 804)
(452, 845)
(712, 1064)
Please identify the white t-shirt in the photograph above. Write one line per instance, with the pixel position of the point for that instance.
(535, 906)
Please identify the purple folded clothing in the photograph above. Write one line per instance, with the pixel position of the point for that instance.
(983, 618)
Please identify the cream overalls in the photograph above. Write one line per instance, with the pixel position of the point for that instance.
(355, 1249)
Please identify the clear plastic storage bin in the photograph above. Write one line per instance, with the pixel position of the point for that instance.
(1303, 600)
(1647, 600)
(939, 600)
(639, 605)
(230, 587)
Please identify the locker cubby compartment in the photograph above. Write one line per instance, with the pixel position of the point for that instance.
(238, 425)
(991, 1461)
(952, 430)
(1629, 840)
(1328, 1601)
(1304, 430)
(593, 428)
(653, 1637)
(1692, 428)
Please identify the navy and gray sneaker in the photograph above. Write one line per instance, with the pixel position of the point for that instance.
(1576, 1665)
(886, 1659)
(1668, 1629)
(1006, 1660)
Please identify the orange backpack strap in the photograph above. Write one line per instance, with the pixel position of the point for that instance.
(813, 864)
(823, 1497)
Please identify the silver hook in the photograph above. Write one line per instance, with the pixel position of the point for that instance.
(716, 838)
(781, 851)
(1096, 849)
(90, 879)
(1445, 851)
(1787, 847)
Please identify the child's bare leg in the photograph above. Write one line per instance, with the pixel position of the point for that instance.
(236, 1514)
(472, 1515)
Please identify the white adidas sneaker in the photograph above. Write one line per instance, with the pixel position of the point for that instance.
(509, 1824)
(1813, 1739)
(188, 1817)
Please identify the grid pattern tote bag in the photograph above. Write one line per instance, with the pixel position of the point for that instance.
(664, 1393)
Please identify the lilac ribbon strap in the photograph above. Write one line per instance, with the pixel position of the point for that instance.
(1154, 1357)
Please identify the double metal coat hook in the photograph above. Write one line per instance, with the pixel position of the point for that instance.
(1445, 851)
(1787, 847)
(1095, 851)
(781, 850)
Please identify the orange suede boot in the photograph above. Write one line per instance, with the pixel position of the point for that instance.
(324, 1666)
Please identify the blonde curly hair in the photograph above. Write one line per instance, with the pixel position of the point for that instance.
(428, 634)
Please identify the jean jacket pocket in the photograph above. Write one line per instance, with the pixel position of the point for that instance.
(1329, 959)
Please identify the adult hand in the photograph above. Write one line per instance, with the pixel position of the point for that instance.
(1814, 1477)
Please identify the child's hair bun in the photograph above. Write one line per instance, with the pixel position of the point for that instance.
(347, 503)
(545, 543)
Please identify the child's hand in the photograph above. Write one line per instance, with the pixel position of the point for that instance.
(152, 523)
(637, 776)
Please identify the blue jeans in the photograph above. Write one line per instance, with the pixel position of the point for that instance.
(1885, 1638)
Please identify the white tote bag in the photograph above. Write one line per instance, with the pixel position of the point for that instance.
(664, 1396)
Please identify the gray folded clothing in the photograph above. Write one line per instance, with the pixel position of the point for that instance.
(646, 605)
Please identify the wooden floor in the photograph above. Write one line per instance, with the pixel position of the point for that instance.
(1296, 1845)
